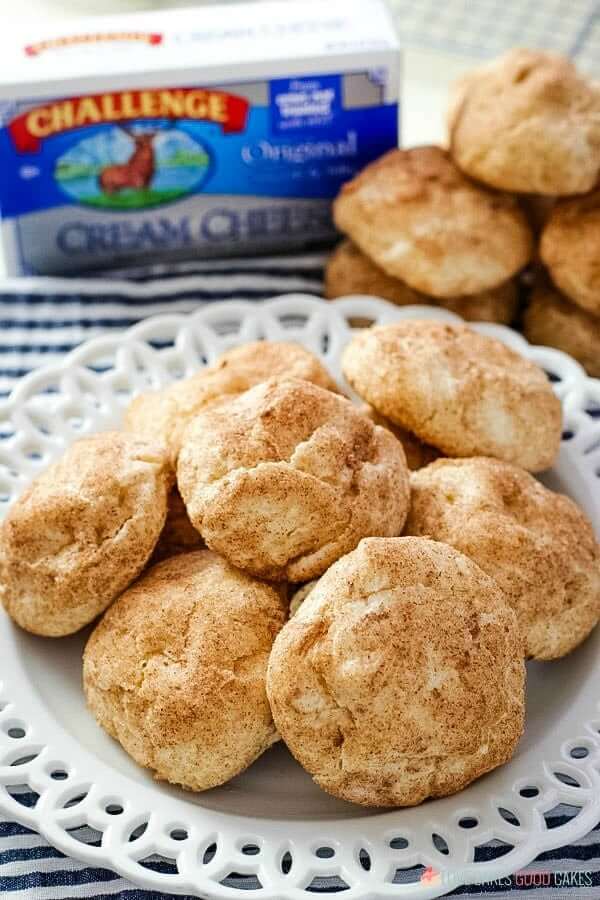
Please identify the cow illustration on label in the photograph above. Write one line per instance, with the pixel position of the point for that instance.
(137, 172)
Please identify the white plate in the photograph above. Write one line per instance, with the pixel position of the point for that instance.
(274, 813)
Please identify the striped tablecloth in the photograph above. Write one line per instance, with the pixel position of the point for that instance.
(40, 320)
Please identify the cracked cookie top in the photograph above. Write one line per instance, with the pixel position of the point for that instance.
(419, 218)
(537, 544)
(82, 531)
(527, 122)
(463, 392)
(163, 415)
(175, 671)
(288, 477)
(401, 675)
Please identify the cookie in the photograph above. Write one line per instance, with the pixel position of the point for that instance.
(401, 676)
(288, 477)
(418, 454)
(175, 671)
(350, 271)
(537, 545)
(163, 415)
(82, 531)
(528, 123)
(178, 534)
(417, 217)
(551, 320)
(570, 248)
(463, 392)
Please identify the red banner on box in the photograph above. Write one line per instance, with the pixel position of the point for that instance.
(122, 107)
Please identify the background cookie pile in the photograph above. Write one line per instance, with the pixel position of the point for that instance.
(516, 191)
(399, 672)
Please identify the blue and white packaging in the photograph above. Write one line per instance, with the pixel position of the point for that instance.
(189, 133)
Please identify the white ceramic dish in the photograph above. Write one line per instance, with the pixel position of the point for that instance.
(273, 815)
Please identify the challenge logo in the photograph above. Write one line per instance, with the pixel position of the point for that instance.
(29, 129)
(73, 39)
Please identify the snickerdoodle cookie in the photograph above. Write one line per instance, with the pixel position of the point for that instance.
(350, 271)
(401, 676)
(163, 415)
(178, 534)
(529, 123)
(286, 478)
(463, 392)
(551, 320)
(82, 531)
(570, 248)
(175, 671)
(420, 219)
(537, 545)
(418, 454)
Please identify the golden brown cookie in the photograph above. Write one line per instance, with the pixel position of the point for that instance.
(463, 392)
(570, 248)
(551, 320)
(350, 271)
(82, 531)
(401, 676)
(417, 217)
(527, 122)
(175, 671)
(163, 415)
(538, 546)
(288, 477)
(178, 534)
(418, 454)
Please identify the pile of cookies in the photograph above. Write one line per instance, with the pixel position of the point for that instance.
(397, 673)
(516, 187)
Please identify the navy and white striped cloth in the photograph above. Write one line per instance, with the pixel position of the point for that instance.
(40, 320)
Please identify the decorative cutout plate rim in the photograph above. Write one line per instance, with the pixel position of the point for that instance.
(86, 392)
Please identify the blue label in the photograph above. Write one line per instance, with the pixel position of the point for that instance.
(135, 179)
(68, 168)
